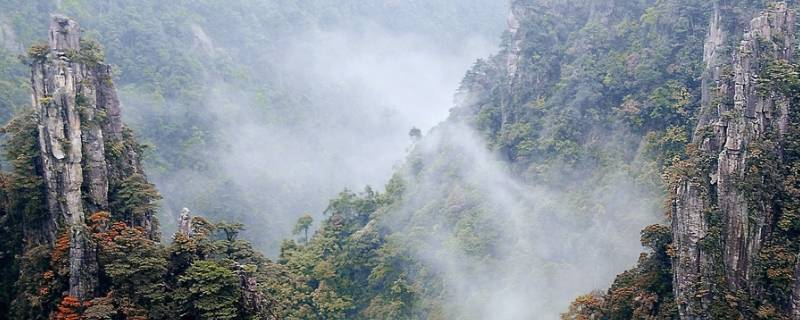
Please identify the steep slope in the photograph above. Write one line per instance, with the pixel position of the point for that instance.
(726, 220)
(79, 126)
(732, 250)
(535, 188)
(270, 65)
(79, 236)
(586, 101)
(560, 148)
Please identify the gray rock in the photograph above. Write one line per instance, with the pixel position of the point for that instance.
(55, 85)
(724, 133)
(185, 222)
(78, 120)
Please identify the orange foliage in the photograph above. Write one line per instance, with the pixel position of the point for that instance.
(586, 307)
(99, 221)
(61, 248)
(68, 309)
(106, 237)
(118, 227)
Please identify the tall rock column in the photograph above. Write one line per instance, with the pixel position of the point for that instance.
(718, 233)
(689, 228)
(771, 36)
(692, 201)
(88, 157)
(55, 82)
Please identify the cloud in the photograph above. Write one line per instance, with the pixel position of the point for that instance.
(508, 249)
(332, 111)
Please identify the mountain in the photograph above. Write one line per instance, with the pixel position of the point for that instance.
(232, 97)
(732, 249)
(598, 128)
(594, 114)
(80, 234)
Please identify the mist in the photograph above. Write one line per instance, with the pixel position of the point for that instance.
(262, 112)
(545, 248)
(357, 93)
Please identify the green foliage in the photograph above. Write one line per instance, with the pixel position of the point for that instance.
(37, 290)
(135, 267)
(772, 188)
(26, 193)
(669, 146)
(166, 73)
(38, 52)
(632, 77)
(302, 225)
(644, 292)
(229, 246)
(415, 134)
(91, 53)
(135, 198)
(198, 275)
(586, 307)
(208, 290)
(353, 271)
(201, 276)
(100, 309)
(23, 208)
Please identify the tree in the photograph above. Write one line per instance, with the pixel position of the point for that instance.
(134, 198)
(135, 267)
(229, 246)
(415, 134)
(69, 309)
(209, 290)
(303, 224)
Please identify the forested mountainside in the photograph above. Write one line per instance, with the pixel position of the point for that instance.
(600, 112)
(732, 251)
(210, 85)
(80, 238)
(594, 122)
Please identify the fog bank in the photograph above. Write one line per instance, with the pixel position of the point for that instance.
(513, 250)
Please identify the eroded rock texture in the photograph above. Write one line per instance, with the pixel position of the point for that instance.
(79, 129)
(718, 233)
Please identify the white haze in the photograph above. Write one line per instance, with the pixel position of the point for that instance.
(361, 92)
(549, 250)
(409, 75)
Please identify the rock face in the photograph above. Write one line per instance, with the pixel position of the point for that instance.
(523, 78)
(185, 222)
(736, 117)
(79, 120)
(771, 36)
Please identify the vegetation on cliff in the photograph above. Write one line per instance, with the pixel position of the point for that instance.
(591, 116)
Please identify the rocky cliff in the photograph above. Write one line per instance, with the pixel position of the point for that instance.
(84, 149)
(582, 92)
(732, 249)
(79, 234)
(719, 225)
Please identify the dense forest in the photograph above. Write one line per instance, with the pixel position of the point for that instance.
(599, 132)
